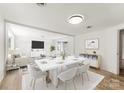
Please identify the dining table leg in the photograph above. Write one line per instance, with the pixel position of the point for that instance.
(48, 80)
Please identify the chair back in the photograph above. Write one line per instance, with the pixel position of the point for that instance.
(70, 57)
(68, 74)
(34, 71)
(83, 68)
(72, 65)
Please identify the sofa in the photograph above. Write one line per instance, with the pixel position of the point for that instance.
(19, 62)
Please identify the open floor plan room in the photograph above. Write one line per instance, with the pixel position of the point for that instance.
(61, 46)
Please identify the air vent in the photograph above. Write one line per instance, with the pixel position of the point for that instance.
(41, 4)
(88, 27)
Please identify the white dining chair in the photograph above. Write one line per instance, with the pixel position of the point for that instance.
(67, 76)
(36, 73)
(71, 57)
(72, 65)
(83, 70)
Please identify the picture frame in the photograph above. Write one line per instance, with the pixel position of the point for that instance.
(92, 43)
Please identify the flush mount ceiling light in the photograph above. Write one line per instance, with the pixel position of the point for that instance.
(75, 19)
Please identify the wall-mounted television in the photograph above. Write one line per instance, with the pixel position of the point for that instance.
(37, 45)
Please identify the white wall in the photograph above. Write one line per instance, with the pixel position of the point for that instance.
(2, 49)
(69, 48)
(24, 43)
(24, 35)
(12, 39)
(108, 46)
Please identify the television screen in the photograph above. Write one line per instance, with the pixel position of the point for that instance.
(37, 44)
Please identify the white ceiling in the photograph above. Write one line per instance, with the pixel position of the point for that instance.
(23, 31)
(53, 16)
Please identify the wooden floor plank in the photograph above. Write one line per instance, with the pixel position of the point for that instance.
(13, 79)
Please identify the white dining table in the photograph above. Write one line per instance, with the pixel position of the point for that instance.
(48, 64)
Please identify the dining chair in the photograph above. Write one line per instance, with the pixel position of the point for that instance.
(67, 76)
(72, 65)
(70, 57)
(36, 73)
(83, 70)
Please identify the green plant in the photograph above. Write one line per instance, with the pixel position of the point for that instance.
(94, 52)
(63, 55)
(52, 48)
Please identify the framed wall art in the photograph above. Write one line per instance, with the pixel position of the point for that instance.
(92, 43)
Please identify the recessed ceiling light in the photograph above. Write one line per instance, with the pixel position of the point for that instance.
(75, 19)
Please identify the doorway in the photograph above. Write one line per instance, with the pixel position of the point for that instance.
(121, 52)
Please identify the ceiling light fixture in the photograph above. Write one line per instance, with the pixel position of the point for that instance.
(75, 19)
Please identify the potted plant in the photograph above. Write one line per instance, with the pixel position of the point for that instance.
(63, 55)
(52, 48)
(94, 52)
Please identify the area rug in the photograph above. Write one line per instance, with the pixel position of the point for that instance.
(94, 80)
(111, 83)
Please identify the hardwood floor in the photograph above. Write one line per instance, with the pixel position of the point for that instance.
(111, 81)
(12, 80)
